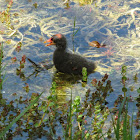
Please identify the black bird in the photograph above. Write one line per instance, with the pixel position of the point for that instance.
(66, 62)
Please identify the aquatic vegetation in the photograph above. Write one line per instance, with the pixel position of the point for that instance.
(26, 87)
(14, 59)
(19, 70)
(92, 108)
(108, 53)
(18, 47)
(84, 2)
(99, 121)
(84, 74)
(74, 32)
(67, 4)
(5, 15)
(23, 27)
(124, 79)
(12, 119)
(2, 77)
(35, 5)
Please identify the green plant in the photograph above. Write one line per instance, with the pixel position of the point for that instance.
(75, 114)
(5, 15)
(122, 128)
(2, 77)
(124, 78)
(68, 132)
(98, 122)
(74, 32)
(50, 108)
(19, 70)
(84, 74)
(19, 116)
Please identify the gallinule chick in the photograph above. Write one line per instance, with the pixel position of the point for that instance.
(66, 62)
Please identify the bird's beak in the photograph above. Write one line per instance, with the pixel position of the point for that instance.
(51, 42)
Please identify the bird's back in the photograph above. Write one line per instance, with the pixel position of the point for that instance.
(72, 63)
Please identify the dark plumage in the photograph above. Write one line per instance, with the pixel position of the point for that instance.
(67, 62)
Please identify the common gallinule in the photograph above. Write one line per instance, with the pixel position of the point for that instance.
(66, 62)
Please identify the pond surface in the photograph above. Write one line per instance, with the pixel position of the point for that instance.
(115, 23)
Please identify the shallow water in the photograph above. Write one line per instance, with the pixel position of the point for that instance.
(114, 23)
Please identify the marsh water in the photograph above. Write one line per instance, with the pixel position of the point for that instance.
(115, 23)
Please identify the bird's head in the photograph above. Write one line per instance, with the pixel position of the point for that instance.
(59, 40)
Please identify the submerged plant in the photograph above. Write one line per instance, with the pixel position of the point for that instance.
(19, 70)
(5, 15)
(108, 53)
(2, 76)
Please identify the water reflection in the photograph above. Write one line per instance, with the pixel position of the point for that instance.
(63, 81)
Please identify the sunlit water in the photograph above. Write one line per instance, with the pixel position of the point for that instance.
(110, 22)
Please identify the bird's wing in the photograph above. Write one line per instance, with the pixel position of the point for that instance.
(74, 62)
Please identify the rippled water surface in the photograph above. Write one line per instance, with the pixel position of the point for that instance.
(114, 23)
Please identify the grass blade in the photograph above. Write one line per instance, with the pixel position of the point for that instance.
(131, 130)
(118, 120)
(76, 31)
(125, 124)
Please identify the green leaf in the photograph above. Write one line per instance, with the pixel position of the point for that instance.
(125, 124)
(36, 125)
(124, 69)
(45, 120)
(49, 97)
(124, 89)
(118, 120)
(36, 104)
(77, 99)
(80, 116)
(138, 90)
(44, 109)
(74, 21)
(124, 78)
(51, 104)
(33, 112)
(76, 31)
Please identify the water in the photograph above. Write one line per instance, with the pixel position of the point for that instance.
(114, 23)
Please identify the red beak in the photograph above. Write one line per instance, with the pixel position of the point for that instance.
(51, 42)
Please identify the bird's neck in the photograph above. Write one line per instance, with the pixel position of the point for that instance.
(61, 47)
(58, 57)
(59, 51)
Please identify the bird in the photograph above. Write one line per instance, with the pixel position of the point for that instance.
(65, 61)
